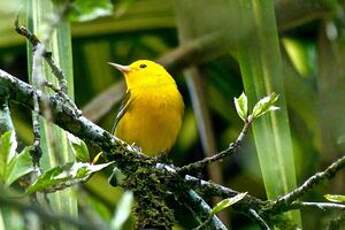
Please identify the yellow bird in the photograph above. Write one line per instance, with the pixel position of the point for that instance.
(152, 110)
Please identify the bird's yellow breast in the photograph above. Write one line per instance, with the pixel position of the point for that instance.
(153, 119)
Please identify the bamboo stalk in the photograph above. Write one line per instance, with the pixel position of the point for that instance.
(55, 37)
(261, 68)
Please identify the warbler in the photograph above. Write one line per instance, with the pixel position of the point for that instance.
(150, 116)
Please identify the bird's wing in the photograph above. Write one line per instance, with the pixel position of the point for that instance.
(126, 102)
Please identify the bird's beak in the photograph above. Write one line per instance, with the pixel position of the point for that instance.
(122, 68)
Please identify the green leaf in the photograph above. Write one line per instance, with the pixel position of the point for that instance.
(19, 166)
(79, 148)
(265, 105)
(241, 104)
(86, 10)
(259, 57)
(62, 177)
(123, 211)
(8, 146)
(335, 198)
(227, 202)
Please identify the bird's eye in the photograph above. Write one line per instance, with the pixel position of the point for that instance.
(142, 66)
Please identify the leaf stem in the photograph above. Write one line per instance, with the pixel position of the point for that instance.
(233, 148)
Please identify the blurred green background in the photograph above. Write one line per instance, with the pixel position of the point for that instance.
(312, 45)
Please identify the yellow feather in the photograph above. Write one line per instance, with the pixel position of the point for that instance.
(153, 114)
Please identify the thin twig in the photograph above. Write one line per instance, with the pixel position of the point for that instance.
(195, 81)
(211, 189)
(263, 225)
(58, 73)
(202, 210)
(308, 185)
(37, 84)
(56, 70)
(66, 98)
(39, 52)
(52, 86)
(37, 151)
(321, 205)
(233, 148)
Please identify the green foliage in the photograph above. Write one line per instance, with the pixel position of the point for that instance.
(86, 10)
(265, 105)
(19, 166)
(8, 146)
(79, 148)
(13, 165)
(123, 211)
(335, 198)
(241, 104)
(227, 203)
(62, 177)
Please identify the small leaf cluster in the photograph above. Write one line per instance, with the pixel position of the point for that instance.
(69, 174)
(335, 198)
(227, 203)
(61, 177)
(263, 106)
(221, 206)
(13, 165)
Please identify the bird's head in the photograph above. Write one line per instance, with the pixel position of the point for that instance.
(144, 73)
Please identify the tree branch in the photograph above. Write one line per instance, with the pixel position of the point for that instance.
(286, 200)
(321, 205)
(202, 210)
(263, 225)
(37, 151)
(128, 159)
(233, 148)
(210, 189)
(36, 43)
